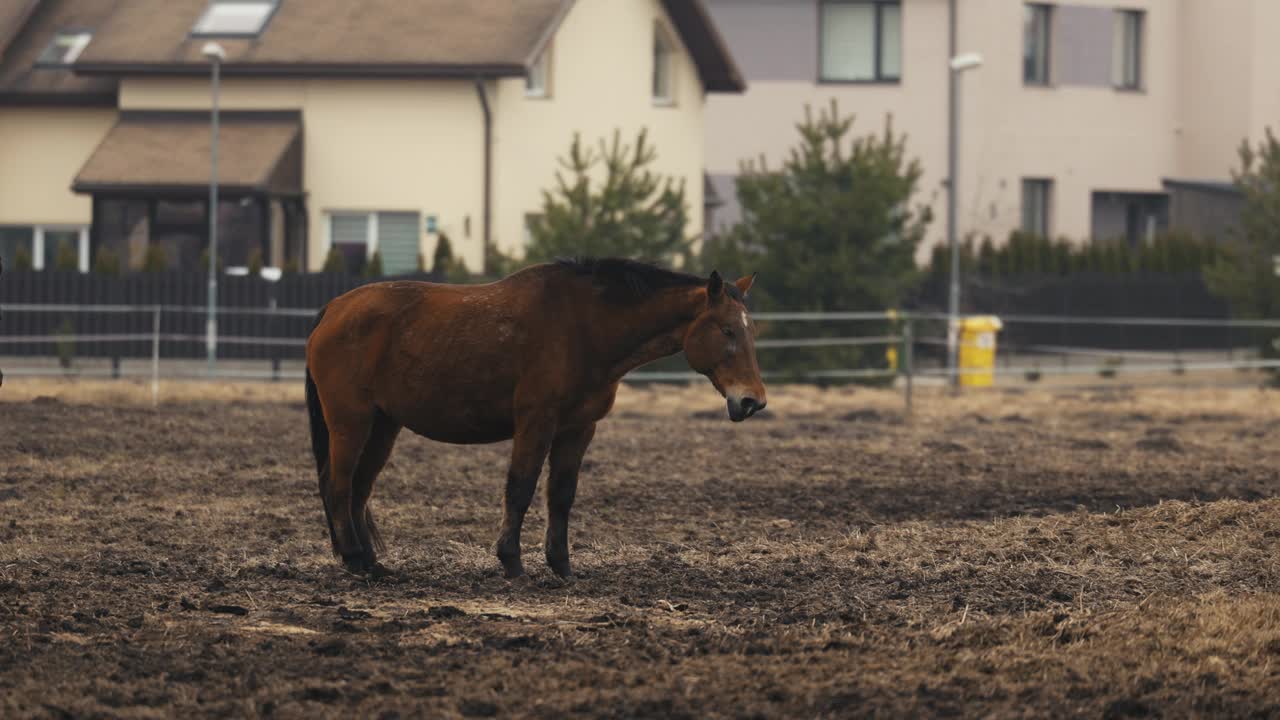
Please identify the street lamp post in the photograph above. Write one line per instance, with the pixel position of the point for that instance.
(959, 64)
(216, 55)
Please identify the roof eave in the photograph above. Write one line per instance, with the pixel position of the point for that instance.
(691, 17)
(59, 99)
(174, 189)
(385, 70)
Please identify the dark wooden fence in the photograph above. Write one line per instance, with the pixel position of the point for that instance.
(1090, 295)
(183, 322)
(245, 305)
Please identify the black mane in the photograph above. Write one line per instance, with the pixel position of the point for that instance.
(627, 281)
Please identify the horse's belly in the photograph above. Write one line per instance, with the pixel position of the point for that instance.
(470, 433)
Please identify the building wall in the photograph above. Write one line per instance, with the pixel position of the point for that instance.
(1205, 86)
(411, 145)
(1085, 135)
(369, 145)
(42, 150)
(1215, 102)
(600, 81)
(762, 122)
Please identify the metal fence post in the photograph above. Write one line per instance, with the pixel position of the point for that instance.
(908, 347)
(155, 357)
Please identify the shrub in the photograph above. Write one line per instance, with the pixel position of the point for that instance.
(106, 261)
(67, 258)
(334, 262)
(155, 260)
(22, 259)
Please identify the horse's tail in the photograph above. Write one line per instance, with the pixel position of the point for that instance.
(320, 443)
(1, 272)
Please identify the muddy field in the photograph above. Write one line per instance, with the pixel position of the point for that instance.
(1101, 554)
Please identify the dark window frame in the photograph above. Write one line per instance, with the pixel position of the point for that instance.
(878, 45)
(1139, 41)
(1047, 10)
(664, 52)
(266, 21)
(1047, 185)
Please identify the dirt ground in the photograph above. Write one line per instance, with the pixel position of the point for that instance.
(1096, 553)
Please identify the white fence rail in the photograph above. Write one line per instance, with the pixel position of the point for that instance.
(913, 347)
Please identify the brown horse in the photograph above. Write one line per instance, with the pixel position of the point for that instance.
(535, 357)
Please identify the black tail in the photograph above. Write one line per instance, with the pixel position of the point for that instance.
(320, 445)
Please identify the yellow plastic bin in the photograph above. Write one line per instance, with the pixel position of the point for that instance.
(978, 350)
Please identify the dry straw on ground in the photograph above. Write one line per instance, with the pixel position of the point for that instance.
(1094, 553)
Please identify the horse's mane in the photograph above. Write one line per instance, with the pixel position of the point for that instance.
(628, 281)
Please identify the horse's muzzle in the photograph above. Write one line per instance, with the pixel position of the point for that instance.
(742, 408)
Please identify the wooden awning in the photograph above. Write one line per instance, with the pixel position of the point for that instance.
(167, 153)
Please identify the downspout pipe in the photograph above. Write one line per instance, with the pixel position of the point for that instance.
(483, 94)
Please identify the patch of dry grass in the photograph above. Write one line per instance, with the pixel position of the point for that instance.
(1000, 555)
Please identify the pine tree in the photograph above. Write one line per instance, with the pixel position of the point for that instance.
(833, 228)
(443, 255)
(1244, 271)
(629, 211)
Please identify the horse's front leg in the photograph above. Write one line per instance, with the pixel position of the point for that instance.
(566, 459)
(528, 453)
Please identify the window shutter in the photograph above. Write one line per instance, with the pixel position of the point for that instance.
(848, 42)
(398, 242)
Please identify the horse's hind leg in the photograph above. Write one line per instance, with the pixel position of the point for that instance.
(348, 435)
(382, 438)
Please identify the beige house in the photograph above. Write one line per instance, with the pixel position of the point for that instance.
(1086, 119)
(371, 126)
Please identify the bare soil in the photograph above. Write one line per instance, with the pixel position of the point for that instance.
(1099, 554)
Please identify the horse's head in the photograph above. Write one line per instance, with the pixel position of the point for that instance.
(721, 344)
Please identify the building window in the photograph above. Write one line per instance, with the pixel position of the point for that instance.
(538, 82)
(64, 49)
(16, 248)
(235, 18)
(1126, 65)
(349, 236)
(861, 42)
(395, 236)
(36, 247)
(1036, 204)
(1037, 35)
(663, 66)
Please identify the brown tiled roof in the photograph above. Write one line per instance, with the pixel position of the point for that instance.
(373, 37)
(149, 151)
(21, 81)
(413, 36)
(13, 16)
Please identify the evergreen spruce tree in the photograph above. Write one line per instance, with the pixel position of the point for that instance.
(833, 228)
(609, 201)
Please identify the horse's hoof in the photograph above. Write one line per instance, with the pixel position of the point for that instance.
(362, 566)
(378, 571)
(520, 581)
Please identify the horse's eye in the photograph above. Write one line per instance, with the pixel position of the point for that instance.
(728, 331)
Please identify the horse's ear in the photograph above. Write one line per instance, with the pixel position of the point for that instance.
(715, 286)
(744, 284)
